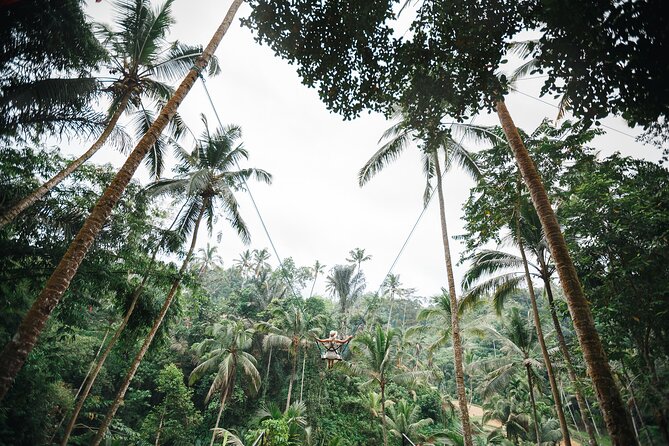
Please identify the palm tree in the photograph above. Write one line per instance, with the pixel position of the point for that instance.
(398, 138)
(347, 286)
(225, 352)
(392, 287)
(16, 351)
(618, 421)
(519, 348)
(207, 258)
(293, 415)
(95, 371)
(404, 419)
(358, 256)
(317, 269)
(292, 330)
(509, 282)
(205, 181)
(377, 363)
(505, 272)
(139, 59)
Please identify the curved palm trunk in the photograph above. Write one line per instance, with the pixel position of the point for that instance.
(293, 370)
(617, 419)
(149, 338)
(542, 342)
(311, 293)
(90, 379)
(45, 188)
(17, 350)
(304, 363)
(533, 403)
(586, 416)
(383, 414)
(455, 329)
(224, 398)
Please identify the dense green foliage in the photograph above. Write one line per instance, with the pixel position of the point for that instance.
(235, 356)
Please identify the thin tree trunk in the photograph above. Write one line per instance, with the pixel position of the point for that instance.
(390, 312)
(30, 199)
(266, 383)
(533, 403)
(224, 398)
(304, 362)
(17, 350)
(137, 292)
(618, 421)
(311, 293)
(582, 407)
(293, 370)
(160, 428)
(540, 334)
(88, 373)
(383, 415)
(149, 338)
(455, 329)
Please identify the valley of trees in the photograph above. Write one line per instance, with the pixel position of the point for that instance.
(122, 326)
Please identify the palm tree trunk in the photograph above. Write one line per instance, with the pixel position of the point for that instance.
(533, 403)
(311, 293)
(17, 350)
(266, 383)
(617, 419)
(224, 398)
(582, 407)
(540, 335)
(81, 387)
(149, 338)
(383, 415)
(293, 370)
(54, 181)
(160, 429)
(455, 329)
(137, 292)
(304, 363)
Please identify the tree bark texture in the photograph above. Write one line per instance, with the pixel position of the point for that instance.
(54, 181)
(17, 350)
(618, 421)
(455, 329)
(149, 337)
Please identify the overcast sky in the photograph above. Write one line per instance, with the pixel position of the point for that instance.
(314, 209)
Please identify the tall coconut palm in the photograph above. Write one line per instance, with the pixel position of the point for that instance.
(134, 299)
(617, 419)
(520, 348)
(16, 351)
(206, 181)
(376, 350)
(435, 140)
(392, 287)
(225, 352)
(501, 273)
(139, 61)
(344, 284)
(292, 330)
(357, 258)
(317, 269)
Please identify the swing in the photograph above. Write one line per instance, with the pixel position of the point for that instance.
(332, 348)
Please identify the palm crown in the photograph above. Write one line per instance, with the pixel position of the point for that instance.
(207, 178)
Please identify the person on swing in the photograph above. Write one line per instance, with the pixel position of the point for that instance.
(332, 347)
